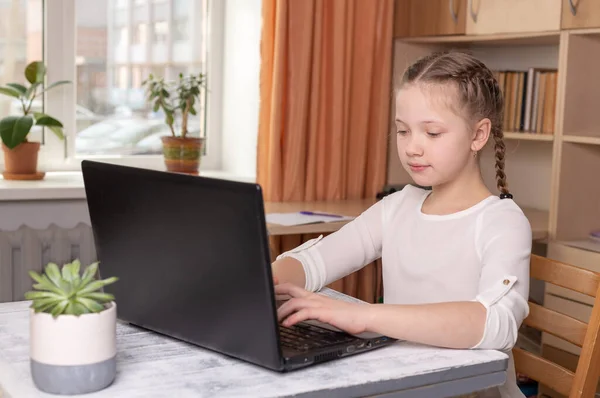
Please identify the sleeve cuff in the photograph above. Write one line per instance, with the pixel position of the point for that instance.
(505, 311)
(312, 263)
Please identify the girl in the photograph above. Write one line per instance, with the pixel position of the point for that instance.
(455, 258)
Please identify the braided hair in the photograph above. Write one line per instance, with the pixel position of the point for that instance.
(479, 92)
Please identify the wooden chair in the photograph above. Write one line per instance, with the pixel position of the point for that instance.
(584, 381)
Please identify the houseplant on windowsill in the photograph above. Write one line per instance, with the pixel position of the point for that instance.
(20, 154)
(72, 330)
(178, 100)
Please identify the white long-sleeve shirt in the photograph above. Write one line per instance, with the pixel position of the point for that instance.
(478, 254)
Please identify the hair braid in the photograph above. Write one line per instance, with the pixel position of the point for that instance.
(500, 150)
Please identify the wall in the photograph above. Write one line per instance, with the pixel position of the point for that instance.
(241, 86)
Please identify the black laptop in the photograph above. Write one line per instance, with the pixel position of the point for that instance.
(193, 259)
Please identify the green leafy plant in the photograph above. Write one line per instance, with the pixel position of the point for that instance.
(175, 97)
(14, 129)
(64, 291)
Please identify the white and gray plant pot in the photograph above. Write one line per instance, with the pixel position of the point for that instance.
(73, 354)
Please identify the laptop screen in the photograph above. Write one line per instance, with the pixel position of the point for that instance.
(191, 255)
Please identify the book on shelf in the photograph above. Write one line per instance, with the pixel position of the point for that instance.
(529, 99)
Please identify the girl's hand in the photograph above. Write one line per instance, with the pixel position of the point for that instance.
(303, 305)
(279, 297)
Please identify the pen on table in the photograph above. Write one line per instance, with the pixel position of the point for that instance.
(312, 213)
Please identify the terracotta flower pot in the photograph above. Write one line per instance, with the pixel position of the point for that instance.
(182, 155)
(73, 354)
(22, 159)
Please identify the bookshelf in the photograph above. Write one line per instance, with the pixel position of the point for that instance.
(554, 171)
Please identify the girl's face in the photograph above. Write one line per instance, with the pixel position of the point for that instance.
(434, 143)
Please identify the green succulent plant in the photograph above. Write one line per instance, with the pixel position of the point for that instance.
(65, 292)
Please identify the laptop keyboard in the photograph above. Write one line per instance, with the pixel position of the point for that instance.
(304, 337)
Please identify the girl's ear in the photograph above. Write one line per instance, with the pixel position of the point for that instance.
(482, 132)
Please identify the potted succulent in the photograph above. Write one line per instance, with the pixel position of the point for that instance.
(21, 155)
(177, 100)
(72, 330)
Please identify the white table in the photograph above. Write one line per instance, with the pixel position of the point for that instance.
(150, 365)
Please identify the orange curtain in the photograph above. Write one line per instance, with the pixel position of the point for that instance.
(325, 90)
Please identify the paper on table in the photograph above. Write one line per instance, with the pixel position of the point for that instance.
(289, 219)
(334, 294)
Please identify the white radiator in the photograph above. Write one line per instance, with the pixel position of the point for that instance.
(31, 249)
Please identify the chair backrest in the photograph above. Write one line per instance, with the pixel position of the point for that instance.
(584, 381)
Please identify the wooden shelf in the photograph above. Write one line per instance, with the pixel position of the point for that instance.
(508, 39)
(585, 31)
(578, 139)
(583, 244)
(529, 136)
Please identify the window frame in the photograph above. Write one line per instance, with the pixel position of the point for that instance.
(59, 47)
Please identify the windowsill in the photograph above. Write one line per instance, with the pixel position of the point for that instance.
(68, 185)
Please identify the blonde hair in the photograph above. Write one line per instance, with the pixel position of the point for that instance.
(479, 94)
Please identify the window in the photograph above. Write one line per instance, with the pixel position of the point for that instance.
(118, 121)
(136, 76)
(20, 44)
(121, 81)
(180, 30)
(140, 34)
(181, 7)
(161, 32)
(122, 35)
(4, 22)
(104, 111)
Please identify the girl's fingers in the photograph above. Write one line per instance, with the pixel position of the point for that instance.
(303, 315)
(293, 305)
(297, 317)
(290, 290)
